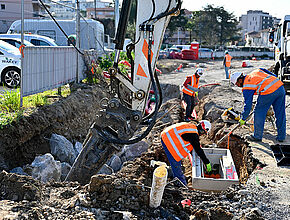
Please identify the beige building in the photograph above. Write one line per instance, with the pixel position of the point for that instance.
(10, 11)
(101, 13)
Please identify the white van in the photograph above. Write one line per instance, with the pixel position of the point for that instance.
(10, 65)
(91, 34)
(181, 47)
(34, 39)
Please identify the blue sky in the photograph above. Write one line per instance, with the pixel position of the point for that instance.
(276, 8)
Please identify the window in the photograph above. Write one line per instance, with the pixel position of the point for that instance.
(39, 42)
(2, 6)
(47, 33)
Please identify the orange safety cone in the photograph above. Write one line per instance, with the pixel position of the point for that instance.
(179, 68)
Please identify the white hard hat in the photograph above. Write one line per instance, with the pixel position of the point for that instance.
(199, 71)
(226, 51)
(206, 125)
(235, 76)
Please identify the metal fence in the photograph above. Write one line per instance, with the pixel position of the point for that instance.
(46, 68)
(221, 54)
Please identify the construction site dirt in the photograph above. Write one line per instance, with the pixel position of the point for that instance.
(262, 193)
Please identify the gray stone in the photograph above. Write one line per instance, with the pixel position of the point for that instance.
(45, 168)
(18, 170)
(244, 192)
(78, 147)
(135, 150)
(65, 168)
(106, 170)
(115, 163)
(62, 149)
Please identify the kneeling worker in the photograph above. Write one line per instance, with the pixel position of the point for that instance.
(179, 140)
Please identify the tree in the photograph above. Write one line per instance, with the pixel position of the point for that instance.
(176, 22)
(214, 25)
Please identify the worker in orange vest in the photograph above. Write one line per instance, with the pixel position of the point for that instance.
(179, 140)
(227, 63)
(270, 91)
(190, 92)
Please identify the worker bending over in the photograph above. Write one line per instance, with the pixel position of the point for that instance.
(270, 91)
(190, 92)
(179, 140)
(227, 63)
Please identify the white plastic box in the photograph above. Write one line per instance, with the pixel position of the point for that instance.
(227, 170)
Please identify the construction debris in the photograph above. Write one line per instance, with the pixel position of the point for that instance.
(262, 193)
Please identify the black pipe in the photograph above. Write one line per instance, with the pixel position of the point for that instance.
(122, 25)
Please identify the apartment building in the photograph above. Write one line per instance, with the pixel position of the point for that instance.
(10, 11)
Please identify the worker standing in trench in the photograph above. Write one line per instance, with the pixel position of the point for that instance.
(179, 140)
(270, 91)
(190, 92)
(227, 63)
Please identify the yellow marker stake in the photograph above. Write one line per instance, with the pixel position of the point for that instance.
(158, 185)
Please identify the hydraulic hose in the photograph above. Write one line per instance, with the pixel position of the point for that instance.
(152, 123)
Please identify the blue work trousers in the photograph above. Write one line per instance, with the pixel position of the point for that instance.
(227, 72)
(264, 102)
(190, 103)
(175, 166)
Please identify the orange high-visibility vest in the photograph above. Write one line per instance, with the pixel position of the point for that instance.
(171, 137)
(263, 83)
(193, 87)
(228, 60)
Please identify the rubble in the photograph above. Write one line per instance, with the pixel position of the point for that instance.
(124, 194)
(62, 149)
(45, 168)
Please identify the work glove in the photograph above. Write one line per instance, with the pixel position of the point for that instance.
(208, 167)
(196, 94)
(242, 122)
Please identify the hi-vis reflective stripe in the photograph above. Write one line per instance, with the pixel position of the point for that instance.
(184, 146)
(187, 129)
(186, 89)
(270, 84)
(181, 141)
(261, 83)
(173, 145)
(192, 88)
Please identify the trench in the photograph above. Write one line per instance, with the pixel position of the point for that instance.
(240, 150)
(242, 155)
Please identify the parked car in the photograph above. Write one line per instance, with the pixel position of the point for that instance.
(36, 40)
(16, 42)
(175, 53)
(162, 54)
(9, 65)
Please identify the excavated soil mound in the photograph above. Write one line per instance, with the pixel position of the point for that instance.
(70, 117)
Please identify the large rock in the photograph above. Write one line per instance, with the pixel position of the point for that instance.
(115, 163)
(18, 170)
(78, 147)
(106, 170)
(135, 150)
(65, 168)
(62, 149)
(45, 168)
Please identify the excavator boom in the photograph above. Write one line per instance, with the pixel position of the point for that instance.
(116, 123)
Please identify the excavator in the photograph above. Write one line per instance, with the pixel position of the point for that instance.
(119, 119)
